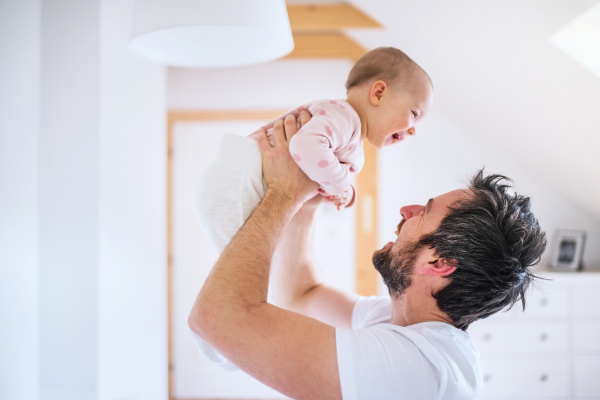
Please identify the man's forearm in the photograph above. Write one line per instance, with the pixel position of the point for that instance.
(240, 277)
(294, 270)
(296, 279)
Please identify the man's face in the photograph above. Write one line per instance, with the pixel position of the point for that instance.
(396, 261)
(396, 268)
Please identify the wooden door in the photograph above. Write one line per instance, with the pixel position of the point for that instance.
(194, 145)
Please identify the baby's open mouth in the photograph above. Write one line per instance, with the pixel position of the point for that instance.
(398, 136)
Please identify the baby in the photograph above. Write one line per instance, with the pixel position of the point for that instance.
(387, 93)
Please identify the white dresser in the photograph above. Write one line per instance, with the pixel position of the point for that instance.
(552, 350)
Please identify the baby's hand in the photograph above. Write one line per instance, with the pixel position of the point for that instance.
(342, 200)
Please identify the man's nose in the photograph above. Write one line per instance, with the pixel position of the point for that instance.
(408, 212)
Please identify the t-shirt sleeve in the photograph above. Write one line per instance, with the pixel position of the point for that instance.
(371, 310)
(377, 360)
(381, 364)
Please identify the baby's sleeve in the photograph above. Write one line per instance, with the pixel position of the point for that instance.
(313, 149)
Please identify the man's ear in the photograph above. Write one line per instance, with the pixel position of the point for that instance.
(439, 267)
(377, 91)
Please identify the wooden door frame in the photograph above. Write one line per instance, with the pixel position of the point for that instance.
(366, 213)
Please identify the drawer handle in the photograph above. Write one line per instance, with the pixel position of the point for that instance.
(487, 337)
(544, 378)
(543, 337)
(487, 378)
(544, 301)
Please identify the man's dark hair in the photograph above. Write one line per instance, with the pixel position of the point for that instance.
(494, 239)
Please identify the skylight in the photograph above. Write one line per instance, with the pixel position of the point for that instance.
(580, 39)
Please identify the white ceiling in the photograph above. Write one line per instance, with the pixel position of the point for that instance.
(497, 74)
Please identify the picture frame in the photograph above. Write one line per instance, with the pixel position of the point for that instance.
(567, 250)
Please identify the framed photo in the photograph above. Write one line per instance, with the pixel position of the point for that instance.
(567, 250)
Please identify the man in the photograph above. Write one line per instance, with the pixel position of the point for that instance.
(463, 256)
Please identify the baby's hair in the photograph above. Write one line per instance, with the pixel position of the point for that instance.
(383, 63)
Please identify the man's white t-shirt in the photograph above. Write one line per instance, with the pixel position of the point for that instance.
(380, 361)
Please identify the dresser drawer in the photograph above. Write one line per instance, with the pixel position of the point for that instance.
(521, 376)
(586, 336)
(587, 376)
(521, 337)
(546, 302)
(586, 301)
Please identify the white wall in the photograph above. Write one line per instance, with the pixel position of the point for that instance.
(19, 128)
(82, 210)
(132, 325)
(279, 85)
(497, 73)
(443, 156)
(68, 198)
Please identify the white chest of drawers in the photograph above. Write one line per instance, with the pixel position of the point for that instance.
(550, 351)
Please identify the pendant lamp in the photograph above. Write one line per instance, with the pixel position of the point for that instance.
(211, 33)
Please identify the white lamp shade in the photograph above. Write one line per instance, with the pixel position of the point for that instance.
(211, 33)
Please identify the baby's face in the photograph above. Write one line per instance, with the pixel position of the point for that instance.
(395, 117)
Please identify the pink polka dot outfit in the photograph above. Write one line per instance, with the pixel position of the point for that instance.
(328, 148)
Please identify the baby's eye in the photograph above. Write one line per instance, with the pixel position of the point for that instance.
(414, 114)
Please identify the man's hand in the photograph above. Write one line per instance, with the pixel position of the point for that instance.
(282, 174)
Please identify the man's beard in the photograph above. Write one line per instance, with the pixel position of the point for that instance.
(396, 269)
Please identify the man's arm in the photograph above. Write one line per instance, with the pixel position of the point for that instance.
(296, 281)
(289, 352)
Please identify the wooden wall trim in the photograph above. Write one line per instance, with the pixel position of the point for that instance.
(221, 115)
(174, 117)
(366, 224)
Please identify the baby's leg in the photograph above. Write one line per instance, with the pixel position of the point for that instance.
(226, 194)
(229, 189)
